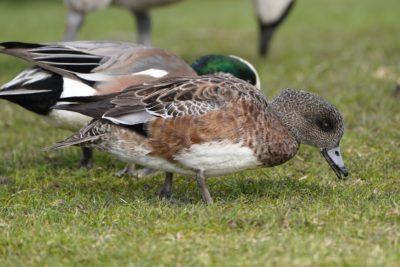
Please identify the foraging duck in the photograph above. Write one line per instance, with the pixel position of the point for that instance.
(86, 68)
(270, 14)
(77, 10)
(207, 126)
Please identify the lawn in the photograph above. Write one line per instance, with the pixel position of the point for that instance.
(297, 214)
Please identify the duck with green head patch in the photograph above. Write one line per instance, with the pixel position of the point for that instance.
(238, 67)
(89, 68)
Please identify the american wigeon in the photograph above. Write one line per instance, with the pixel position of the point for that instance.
(270, 14)
(77, 10)
(207, 126)
(86, 68)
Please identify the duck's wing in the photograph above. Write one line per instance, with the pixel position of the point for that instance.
(27, 83)
(98, 61)
(58, 58)
(183, 96)
(34, 89)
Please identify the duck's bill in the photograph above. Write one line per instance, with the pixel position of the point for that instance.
(335, 160)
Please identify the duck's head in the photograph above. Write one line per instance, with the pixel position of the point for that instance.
(238, 67)
(313, 121)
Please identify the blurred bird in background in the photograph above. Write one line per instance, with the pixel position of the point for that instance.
(270, 14)
(77, 10)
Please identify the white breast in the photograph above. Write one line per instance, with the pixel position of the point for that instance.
(140, 155)
(218, 158)
(214, 158)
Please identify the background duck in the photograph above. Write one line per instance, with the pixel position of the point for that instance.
(270, 14)
(77, 10)
(86, 68)
(207, 126)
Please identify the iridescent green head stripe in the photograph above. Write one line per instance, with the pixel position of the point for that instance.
(234, 65)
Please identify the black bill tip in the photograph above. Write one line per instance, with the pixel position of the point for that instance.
(335, 161)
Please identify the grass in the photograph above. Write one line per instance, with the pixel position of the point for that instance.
(297, 214)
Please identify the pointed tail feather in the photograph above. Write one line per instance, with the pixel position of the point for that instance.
(13, 45)
(85, 137)
(72, 141)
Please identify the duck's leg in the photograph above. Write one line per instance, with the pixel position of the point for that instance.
(143, 22)
(144, 172)
(166, 190)
(86, 160)
(129, 170)
(74, 23)
(201, 183)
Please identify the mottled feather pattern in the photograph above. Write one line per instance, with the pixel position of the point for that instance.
(183, 96)
(190, 121)
(188, 109)
(87, 136)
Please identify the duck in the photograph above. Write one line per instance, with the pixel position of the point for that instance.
(87, 68)
(206, 126)
(77, 10)
(270, 14)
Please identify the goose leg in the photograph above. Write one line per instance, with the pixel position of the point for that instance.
(266, 33)
(166, 190)
(74, 23)
(143, 22)
(86, 160)
(201, 183)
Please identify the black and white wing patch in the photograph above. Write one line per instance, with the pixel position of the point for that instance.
(34, 89)
(27, 83)
(55, 57)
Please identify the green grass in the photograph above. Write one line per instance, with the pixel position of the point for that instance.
(297, 214)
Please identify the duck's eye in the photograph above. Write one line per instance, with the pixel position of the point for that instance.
(325, 126)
